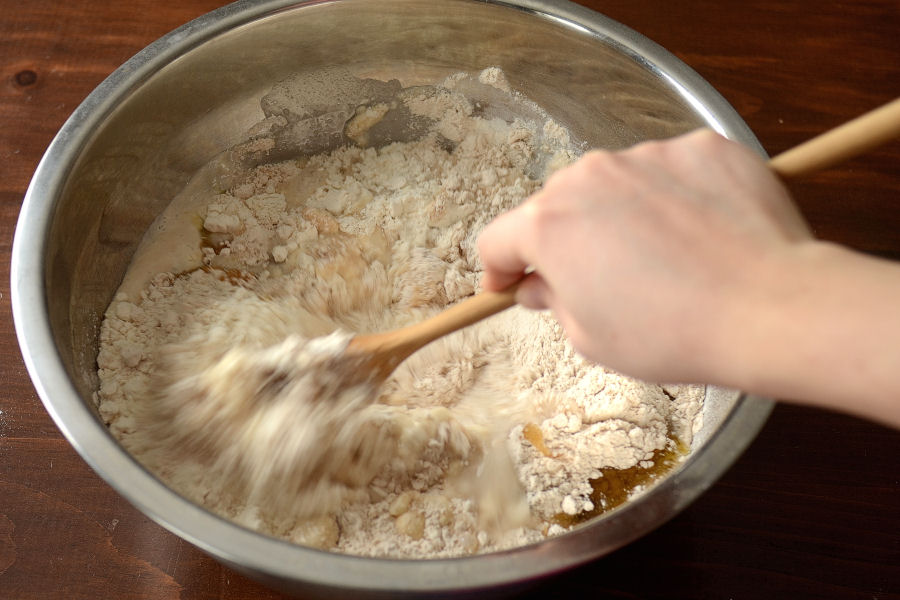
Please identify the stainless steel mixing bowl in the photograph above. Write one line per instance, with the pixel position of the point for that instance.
(142, 133)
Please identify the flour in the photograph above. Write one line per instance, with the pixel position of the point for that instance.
(477, 442)
(278, 422)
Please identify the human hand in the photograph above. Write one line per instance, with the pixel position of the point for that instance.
(650, 256)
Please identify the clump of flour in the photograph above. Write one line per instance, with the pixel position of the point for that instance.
(364, 239)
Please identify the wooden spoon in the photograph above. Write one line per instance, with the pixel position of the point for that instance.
(380, 353)
(841, 143)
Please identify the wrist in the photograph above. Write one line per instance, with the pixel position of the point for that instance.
(763, 330)
(820, 327)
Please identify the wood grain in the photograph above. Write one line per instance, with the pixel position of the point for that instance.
(811, 510)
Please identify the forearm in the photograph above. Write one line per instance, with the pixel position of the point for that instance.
(823, 329)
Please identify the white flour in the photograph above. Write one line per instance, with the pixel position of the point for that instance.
(477, 442)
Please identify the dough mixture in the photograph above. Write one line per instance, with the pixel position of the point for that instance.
(492, 437)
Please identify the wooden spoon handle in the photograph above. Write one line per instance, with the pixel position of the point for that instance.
(382, 352)
(468, 312)
(841, 143)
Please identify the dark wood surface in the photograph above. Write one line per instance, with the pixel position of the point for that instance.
(812, 510)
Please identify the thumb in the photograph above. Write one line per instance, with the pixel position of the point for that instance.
(534, 292)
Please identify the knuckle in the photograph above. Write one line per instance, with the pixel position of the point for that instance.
(711, 143)
(703, 138)
(539, 213)
(544, 217)
(599, 163)
(708, 136)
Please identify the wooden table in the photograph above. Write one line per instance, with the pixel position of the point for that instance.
(811, 510)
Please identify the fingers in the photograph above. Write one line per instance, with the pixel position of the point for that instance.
(505, 262)
(501, 254)
(534, 292)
